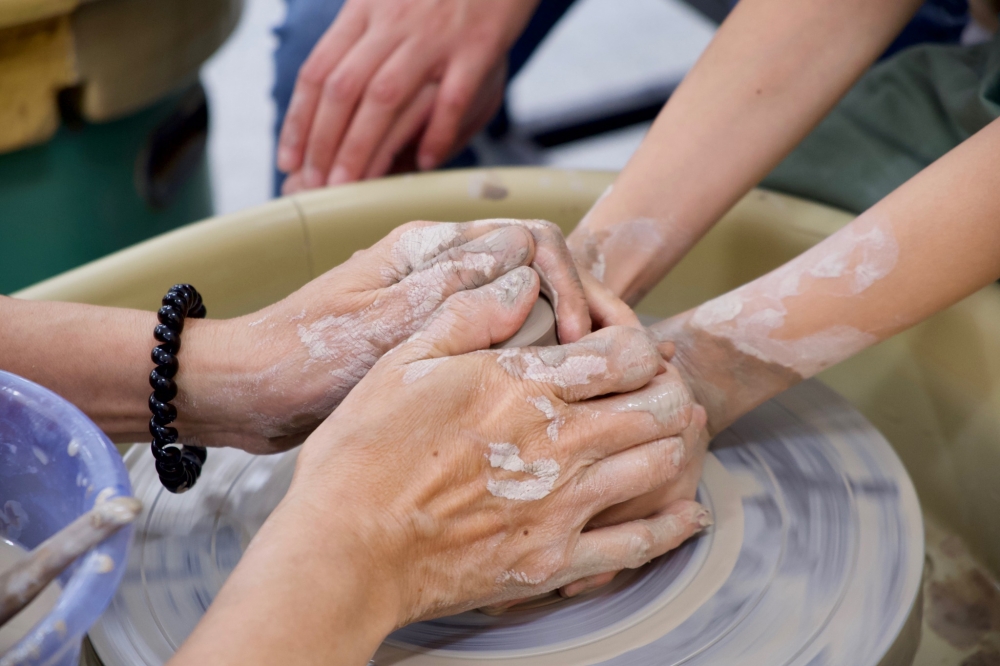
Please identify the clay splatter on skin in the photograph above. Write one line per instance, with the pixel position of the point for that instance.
(620, 243)
(353, 343)
(510, 286)
(552, 365)
(666, 402)
(417, 246)
(518, 577)
(420, 369)
(544, 405)
(508, 457)
(845, 265)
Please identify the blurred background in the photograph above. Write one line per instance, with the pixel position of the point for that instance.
(123, 119)
(584, 100)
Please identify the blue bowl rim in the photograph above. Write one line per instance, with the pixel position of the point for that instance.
(90, 589)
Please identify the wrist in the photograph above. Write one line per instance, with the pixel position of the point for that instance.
(727, 382)
(626, 247)
(215, 379)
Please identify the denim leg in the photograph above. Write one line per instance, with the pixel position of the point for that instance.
(549, 13)
(305, 23)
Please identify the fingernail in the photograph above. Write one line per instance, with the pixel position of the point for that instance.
(338, 176)
(704, 518)
(425, 161)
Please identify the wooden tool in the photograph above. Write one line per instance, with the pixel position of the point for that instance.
(25, 580)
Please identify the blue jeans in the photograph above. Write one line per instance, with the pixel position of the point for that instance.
(307, 20)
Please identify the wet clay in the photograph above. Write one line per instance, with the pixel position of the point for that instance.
(538, 330)
(19, 625)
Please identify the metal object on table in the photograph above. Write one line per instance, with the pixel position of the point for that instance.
(815, 558)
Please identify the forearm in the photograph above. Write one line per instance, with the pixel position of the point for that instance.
(98, 358)
(927, 245)
(773, 70)
(275, 608)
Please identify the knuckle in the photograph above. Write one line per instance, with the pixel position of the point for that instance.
(312, 73)
(341, 86)
(453, 102)
(351, 156)
(386, 91)
(642, 545)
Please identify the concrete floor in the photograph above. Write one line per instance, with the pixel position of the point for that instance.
(602, 51)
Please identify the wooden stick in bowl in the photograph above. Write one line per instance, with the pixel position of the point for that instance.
(26, 579)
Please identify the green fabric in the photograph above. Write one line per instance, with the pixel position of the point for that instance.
(74, 199)
(906, 112)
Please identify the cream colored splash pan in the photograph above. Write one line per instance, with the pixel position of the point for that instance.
(934, 391)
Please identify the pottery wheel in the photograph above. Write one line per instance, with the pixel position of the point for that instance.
(815, 558)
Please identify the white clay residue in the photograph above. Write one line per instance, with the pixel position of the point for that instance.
(41, 455)
(508, 457)
(518, 577)
(420, 369)
(417, 246)
(844, 266)
(626, 241)
(72, 448)
(544, 405)
(103, 563)
(104, 495)
(510, 286)
(664, 401)
(552, 365)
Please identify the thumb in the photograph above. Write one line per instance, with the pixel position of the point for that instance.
(474, 319)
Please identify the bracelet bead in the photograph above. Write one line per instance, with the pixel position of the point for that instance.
(178, 468)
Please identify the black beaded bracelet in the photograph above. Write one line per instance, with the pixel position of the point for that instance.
(179, 468)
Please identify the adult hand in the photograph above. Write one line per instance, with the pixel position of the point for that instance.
(263, 381)
(451, 478)
(668, 395)
(387, 69)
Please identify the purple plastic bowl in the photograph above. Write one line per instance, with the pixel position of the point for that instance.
(53, 464)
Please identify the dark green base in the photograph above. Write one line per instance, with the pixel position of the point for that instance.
(75, 199)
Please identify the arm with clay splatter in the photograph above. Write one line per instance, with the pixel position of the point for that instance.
(773, 70)
(927, 245)
(262, 382)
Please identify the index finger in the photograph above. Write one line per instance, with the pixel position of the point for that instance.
(613, 360)
(347, 28)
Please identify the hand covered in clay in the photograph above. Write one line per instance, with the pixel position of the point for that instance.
(294, 362)
(674, 388)
(452, 478)
(505, 456)
(669, 396)
(389, 72)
